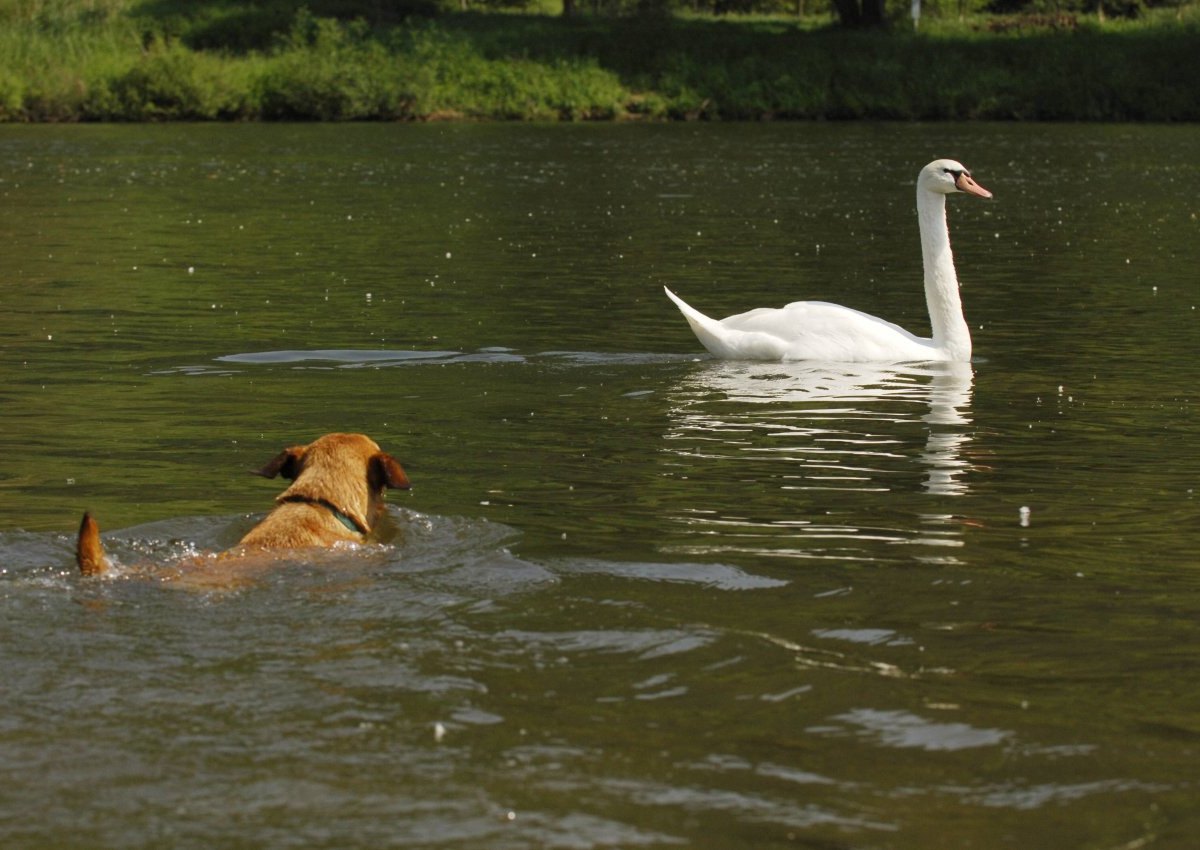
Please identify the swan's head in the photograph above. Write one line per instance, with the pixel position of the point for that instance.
(945, 176)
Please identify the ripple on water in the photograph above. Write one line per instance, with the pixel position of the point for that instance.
(711, 575)
(353, 358)
(904, 730)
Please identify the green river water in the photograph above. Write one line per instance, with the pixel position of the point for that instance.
(636, 597)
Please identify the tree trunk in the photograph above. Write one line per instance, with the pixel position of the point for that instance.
(873, 14)
(861, 13)
(848, 13)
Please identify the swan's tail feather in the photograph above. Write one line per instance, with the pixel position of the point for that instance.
(726, 342)
(705, 329)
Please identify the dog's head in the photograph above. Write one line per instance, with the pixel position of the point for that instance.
(347, 471)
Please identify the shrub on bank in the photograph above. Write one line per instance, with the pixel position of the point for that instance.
(334, 72)
(169, 82)
(325, 71)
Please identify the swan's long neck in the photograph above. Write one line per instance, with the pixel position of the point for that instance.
(950, 331)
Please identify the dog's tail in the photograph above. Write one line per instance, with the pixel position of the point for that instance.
(89, 551)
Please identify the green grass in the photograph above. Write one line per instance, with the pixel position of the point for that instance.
(110, 60)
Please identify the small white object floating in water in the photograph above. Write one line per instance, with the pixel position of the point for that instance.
(439, 732)
(1023, 516)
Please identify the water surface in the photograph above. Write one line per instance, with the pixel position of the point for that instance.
(637, 597)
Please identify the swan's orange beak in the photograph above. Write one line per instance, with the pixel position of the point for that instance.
(966, 184)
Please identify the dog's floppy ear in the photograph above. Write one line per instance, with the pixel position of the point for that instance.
(286, 463)
(384, 471)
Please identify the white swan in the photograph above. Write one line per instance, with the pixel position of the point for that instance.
(816, 330)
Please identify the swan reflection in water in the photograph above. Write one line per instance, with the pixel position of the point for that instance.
(834, 431)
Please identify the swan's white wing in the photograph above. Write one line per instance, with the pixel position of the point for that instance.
(817, 330)
(806, 330)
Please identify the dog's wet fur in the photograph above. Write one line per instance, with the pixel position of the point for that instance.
(336, 496)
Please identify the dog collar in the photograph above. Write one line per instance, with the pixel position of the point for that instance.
(343, 518)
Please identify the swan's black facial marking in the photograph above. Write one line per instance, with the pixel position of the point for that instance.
(963, 182)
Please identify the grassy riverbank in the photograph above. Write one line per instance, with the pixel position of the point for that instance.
(109, 60)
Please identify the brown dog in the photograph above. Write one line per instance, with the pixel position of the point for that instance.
(336, 495)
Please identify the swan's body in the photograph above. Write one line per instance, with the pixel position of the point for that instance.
(816, 330)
